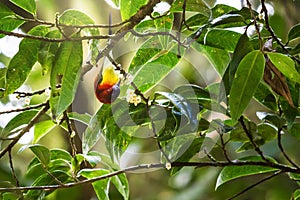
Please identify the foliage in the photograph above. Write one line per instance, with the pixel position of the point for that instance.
(250, 67)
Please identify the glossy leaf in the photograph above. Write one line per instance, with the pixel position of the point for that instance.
(101, 187)
(41, 152)
(22, 63)
(28, 5)
(264, 95)
(83, 118)
(226, 19)
(197, 20)
(48, 50)
(221, 9)
(5, 11)
(41, 129)
(229, 173)
(219, 38)
(129, 8)
(164, 24)
(45, 179)
(66, 71)
(192, 5)
(294, 32)
(9, 23)
(285, 65)
(151, 64)
(243, 47)
(245, 82)
(19, 120)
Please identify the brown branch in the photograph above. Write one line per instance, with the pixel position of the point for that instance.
(255, 24)
(273, 34)
(249, 135)
(282, 168)
(282, 149)
(25, 130)
(46, 39)
(71, 133)
(23, 109)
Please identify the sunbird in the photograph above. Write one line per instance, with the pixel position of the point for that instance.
(107, 85)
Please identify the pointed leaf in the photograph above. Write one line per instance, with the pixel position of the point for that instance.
(285, 65)
(121, 183)
(66, 71)
(22, 63)
(101, 187)
(246, 80)
(83, 118)
(19, 120)
(41, 152)
(9, 23)
(41, 129)
(129, 8)
(294, 32)
(28, 5)
(229, 173)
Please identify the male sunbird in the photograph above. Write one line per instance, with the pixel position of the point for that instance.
(107, 85)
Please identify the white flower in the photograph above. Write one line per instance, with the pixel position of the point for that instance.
(168, 166)
(131, 97)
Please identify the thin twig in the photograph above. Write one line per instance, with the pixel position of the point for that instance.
(23, 109)
(249, 135)
(13, 169)
(282, 168)
(25, 130)
(273, 34)
(282, 149)
(255, 184)
(224, 147)
(255, 25)
(71, 134)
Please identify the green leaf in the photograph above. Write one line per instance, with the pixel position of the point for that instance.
(5, 11)
(221, 9)
(193, 5)
(129, 8)
(183, 106)
(164, 24)
(294, 130)
(267, 132)
(94, 130)
(285, 65)
(226, 19)
(76, 18)
(245, 82)
(121, 183)
(93, 158)
(101, 187)
(294, 32)
(19, 120)
(296, 195)
(264, 95)
(220, 38)
(48, 50)
(229, 173)
(83, 118)
(22, 63)
(41, 152)
(189, 153)
(243, 47)
(219, 58)
(150, 64)
(28, 5)
(41, 129)
(66, 71)
(197, 20)
(274, 119)
(9, 23)
(45, 179)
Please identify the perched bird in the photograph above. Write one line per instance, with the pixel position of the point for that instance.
(107, 85)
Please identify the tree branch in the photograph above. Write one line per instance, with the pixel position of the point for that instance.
(25, 130)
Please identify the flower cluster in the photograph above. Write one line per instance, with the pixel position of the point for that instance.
(131, 97)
